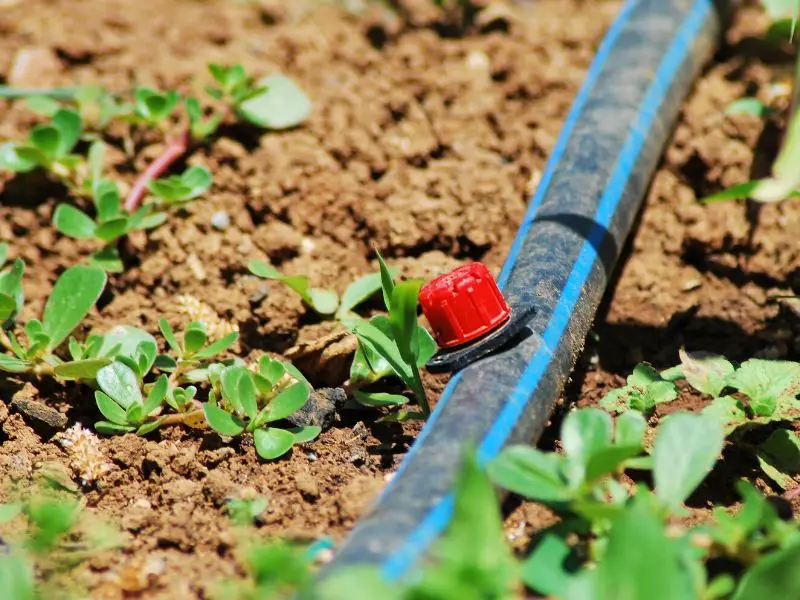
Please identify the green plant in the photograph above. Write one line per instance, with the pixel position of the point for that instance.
(243, 402)
(11, 293)
(58, 536)
(120, 401)
(243, 511)
(111, 223)
(394, 344)
(73, 295)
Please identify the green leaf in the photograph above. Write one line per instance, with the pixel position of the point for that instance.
(69, 126)
(86, 369)
(74, 294)
(20, 159)
(305, 434)
(736, 192)
(272, 370)
(747, 106)
(774, 576)
(42, 105)
(766, 383)
(545, 568)
(644, 389)
(403, 318)
(176, 189)
(247, 394)
(584, 433)
(153, 106)
(378, 399)
(779, 457)
(531, 473)
(640, 562)
(361, 290)
(194, 338)
(222, 422)
(379, 343)
(169, 335)
(46, 139)
(323, 301)
(95, 159)
(685, 450)
(73, 222)
(110, 409)
(630, 429)
(11, 289)
(387, 280)
(272, 443)
(231, 378)
(106, 199)
(705, 372)
(150, 427)
(728, 410)
(112, 229)
(8, 306)
(108, 259)
(123, 340)
(280, 106)
(217, 347)
(108, 428)
(120, 382)
(156, 395)
(12, 364)
(288, 402)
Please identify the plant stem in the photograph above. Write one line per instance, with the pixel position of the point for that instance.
(419, 390)
(176, 147)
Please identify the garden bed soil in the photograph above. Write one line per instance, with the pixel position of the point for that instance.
(702, 277)
(422, 144)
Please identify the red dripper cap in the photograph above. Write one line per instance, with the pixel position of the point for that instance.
(463, 305)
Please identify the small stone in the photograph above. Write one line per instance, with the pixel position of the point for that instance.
(691, 284)
(359, 455)
(33, 67)
(23, 401)
(261, 292)
(320, 408)
(220, 220)
(307, 485)
(360, 431)
(196, 266)
(478, 61)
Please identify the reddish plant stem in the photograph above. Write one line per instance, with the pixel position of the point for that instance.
(176, 147)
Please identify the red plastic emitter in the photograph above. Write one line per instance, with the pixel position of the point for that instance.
(463, 305)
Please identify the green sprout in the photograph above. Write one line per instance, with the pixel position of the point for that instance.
(120, 401)
(251, 403)
(324, 302)
(180, 189)
(74, 294)
(111, 223)
(152, 107)
(58, 536)
(392, 345)
(11, 293)
(49, 147)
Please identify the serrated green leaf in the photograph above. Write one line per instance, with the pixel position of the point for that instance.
(120, 383)
(73, 222)
(766, 383)
(281, 105)
(272, 443)
(643, 390)
(685, 450)
(222, 422)
(74, 294)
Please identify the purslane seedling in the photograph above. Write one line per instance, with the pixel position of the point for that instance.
(245, 402)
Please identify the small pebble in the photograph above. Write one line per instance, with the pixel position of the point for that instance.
(220, 220)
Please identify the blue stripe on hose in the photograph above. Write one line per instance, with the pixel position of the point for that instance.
(437, 519)
(606, 45)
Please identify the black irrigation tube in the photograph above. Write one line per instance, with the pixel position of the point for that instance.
(560, 261)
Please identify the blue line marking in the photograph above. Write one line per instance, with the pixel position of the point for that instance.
(603, 52)
(437, 519)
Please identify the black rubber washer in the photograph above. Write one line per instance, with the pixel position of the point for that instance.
(457, 358)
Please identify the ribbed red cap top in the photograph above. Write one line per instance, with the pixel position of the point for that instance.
(463, 305)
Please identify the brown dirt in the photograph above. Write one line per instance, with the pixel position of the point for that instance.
(703, 277)
(422, 144)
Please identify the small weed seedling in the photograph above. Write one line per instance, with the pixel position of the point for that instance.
(394, 344)
(74, 294)
(243, 402)
(57, 538)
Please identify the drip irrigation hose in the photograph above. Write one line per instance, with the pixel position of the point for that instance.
(560, 262)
